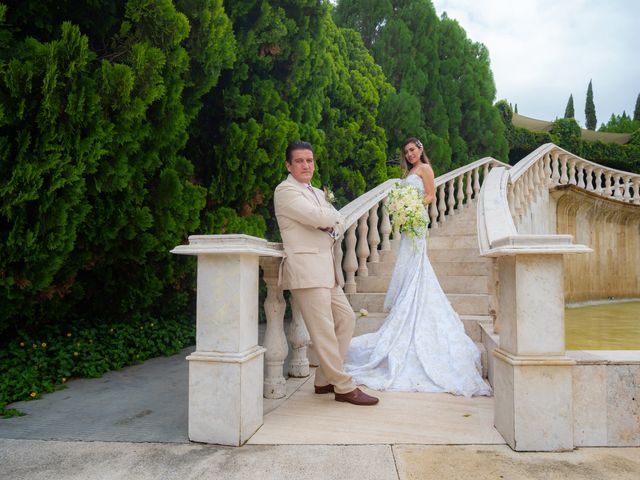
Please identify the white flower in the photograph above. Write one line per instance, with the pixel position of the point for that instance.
(363, 312)
(328, 195)
(406, 207)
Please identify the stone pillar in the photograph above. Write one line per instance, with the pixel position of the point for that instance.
(226, 370)
(532, 374)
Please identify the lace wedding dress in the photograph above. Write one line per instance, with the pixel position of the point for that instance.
(421, 345)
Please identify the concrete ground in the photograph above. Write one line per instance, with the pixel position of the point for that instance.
(132, 424)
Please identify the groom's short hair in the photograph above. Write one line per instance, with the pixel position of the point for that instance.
(297, 145)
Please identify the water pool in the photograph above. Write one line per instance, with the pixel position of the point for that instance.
(611, 326)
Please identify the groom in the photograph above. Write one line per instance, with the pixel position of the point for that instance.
(309, 226)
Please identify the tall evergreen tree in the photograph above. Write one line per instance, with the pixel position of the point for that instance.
(636, 110)
(590, 109)
(294, 77)
(94, 189)
(569, 110)
(443, 81)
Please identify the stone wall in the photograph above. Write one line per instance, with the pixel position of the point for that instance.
(612, 229)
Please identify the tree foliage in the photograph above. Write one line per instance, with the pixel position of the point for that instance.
(566, 134)
(569, 111)
(94, 189)
(444, 86)
(620, 124)
(590, 109)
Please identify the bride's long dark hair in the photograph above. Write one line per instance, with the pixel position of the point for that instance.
(403, 160)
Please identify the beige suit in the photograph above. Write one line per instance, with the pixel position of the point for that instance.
(309, 271)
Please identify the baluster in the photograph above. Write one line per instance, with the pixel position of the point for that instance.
(542, 183)
(442, 206)
(433, 214)
(636, 191)
(362, 250)
(485, 171)
(469, 189)
(451, 202)
(617, 192)
(546, 170)
(572, 173)
(299, 338)
(517, 198)
(531, 189)
(564, 179)
(589, 178)
(626, 185)
(580, 174)
(385, 227)
(555, 168)
(476, 182)
(274, 339)
(598, 179)
(350, 263)
(460, 194)
(511, 200)
(374, 235)
(608, 187)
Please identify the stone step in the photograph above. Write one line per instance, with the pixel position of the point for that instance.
(448, 242)
(446, 268)
(456, 255)
(449, 283)
(369, 323)
(472, 325)
(443, 269)
(462, 303)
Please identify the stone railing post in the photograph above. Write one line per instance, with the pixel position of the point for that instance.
(532, 374)
(275, 384)
(300, 341)
(226, 369)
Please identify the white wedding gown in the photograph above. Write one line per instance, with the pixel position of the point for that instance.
(422, 346)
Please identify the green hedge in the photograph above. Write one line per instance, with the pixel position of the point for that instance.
(566, 134)
(31, 365)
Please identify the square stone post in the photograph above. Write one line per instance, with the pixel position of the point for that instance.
(226, 370)
(532, 374)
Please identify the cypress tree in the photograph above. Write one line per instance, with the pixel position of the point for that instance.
(590, 109)
(636, 110)
(515, 109)
(569, 111)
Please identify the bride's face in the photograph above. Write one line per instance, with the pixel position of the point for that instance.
(412, 153)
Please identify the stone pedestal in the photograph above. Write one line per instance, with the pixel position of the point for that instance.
(226, 370)
(532, 375)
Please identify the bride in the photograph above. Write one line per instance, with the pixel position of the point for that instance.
(421, 346)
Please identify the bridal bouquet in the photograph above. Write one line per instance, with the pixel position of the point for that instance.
(407, 211)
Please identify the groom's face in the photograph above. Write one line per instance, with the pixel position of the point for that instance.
(301, 166)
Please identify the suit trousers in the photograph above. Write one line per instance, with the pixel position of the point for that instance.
(330, 321)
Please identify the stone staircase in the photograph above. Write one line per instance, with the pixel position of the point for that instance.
(465, 277)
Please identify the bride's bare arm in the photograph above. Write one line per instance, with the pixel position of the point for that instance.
(428, 180)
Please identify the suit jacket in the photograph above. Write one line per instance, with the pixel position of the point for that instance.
(309, 261)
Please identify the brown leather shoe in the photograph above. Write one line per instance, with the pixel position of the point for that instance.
(324, 389)
(356, 397)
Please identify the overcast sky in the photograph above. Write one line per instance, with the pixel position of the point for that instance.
(544, 50)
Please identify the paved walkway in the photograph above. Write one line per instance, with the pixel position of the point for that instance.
(131, 424)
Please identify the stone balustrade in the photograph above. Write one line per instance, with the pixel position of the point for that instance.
(229, 372)
(369, 227)
(550, 165)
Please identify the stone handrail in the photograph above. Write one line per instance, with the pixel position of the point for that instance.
(369, 227)
(551, 165)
